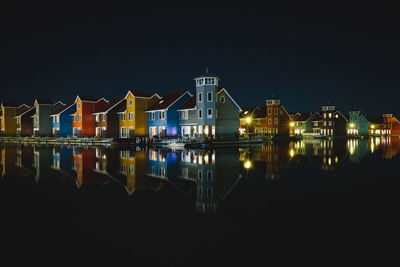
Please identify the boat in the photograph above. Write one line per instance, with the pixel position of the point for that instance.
(176, 145)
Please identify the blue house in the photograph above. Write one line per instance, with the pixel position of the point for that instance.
(61, 120)
(162, 117)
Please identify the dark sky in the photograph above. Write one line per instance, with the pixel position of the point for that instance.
(304, 55)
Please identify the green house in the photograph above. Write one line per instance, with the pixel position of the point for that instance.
(358, 124)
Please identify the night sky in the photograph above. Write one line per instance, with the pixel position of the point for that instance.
(305, 55)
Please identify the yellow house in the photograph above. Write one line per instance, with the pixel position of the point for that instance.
(132, 117)
(9, 111)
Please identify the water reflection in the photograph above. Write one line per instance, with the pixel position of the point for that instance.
(207, 176)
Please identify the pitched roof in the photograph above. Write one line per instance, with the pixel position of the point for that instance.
(140, 93)
(28, 112)
(87, 98)
(234, 102)
(167, 100)
(304, 116)
(63, 108)
(190, 104)
(21, 109)
(44, 101)
(110, 105)
(318, 117)
(10, 104)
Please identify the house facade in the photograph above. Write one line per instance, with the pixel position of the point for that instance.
(278, 119)
(333, 122)
(390, 126)
(211, 112)
(25, 121)
(133, 116)
(162, 117)
(83, 121)
(107, 119)
(41, 119)
(253, 120)
(358, 124)
(61, 121)
(9, 112)
(303, 123)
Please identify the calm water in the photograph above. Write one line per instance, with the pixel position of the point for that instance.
(308, 201)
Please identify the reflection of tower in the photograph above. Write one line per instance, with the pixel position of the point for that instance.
(205, 185)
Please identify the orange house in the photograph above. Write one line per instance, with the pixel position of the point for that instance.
(83, 122)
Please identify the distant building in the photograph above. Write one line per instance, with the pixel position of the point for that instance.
(390, 126)
(278, 119)
(253, 120)
(162, 117)
(304, 123)
(358, 124)
(42, 125)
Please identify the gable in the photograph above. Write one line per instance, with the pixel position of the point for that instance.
(228, 97)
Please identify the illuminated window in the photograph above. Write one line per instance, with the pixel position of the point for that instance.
(276, 121)
(130, 102)
(130, 116)
(209, 113)
(330, 115)
(162, 115)
(324, 115)
(269, 121)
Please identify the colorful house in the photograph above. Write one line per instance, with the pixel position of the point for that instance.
(162, 117)
(132, 116)
(83, 121)
(358, 124)
(278, 119)
(211, 112)
(107, 119)
(390, 126)
(42, 125)
(8, 121)
(24, 121)
(302, 123)
(333, 122)
(253, 120)
(61, 121)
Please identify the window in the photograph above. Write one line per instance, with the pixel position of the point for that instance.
(200, 115)
(330, 115)
(79, 118)
(184, 115)
(151, 116)
(276, 121)
(324, 115)
(103, 117)
(74, 118)
(209, 176)
(200, 175)
(130, 102)
(269, 111)
(79, 105)
(269, 121)
(123, 132)
(324, 123)
(162, 115)
(122, 117)
(200, 95)
(130, 116)
(209, 97)
(97, 118)
(209, 113)
(222, 99)
(330, 123)
(275, 110)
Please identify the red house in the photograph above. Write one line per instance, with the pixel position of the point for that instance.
(390, 126)
(83, 121)
(278, 119)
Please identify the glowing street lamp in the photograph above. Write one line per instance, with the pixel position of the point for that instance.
(248, 120)
(291, 124)
(352, 125)
(247, 164)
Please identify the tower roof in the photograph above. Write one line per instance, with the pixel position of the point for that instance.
(206, 75)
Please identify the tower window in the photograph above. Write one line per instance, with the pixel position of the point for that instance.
(200, 97)
(200, 113)
(209, 97)
(209, 113)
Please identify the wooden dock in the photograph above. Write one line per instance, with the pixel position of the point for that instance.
(70, 141)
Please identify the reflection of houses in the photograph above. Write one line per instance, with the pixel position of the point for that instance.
(25, 159)
(357, 149)
(158, 164)
(62, 161)
(215, 174)
(8, 160)
(42, 162)
(389, 146)
(84, 164)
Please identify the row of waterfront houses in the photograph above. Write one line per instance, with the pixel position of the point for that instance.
(274, 120)
(208, 112)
